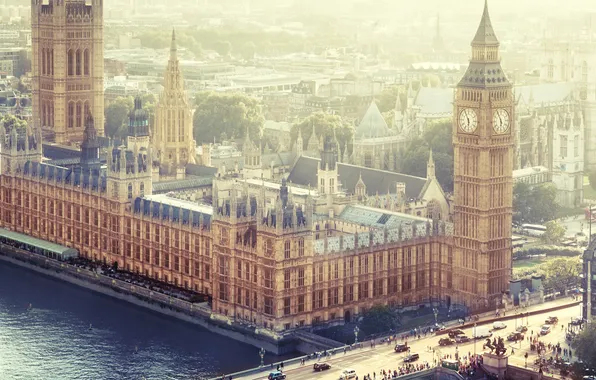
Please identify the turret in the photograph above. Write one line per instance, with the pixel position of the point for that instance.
(430, 167)
(90, 146)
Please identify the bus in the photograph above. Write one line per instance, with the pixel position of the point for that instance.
(536, 230)
(518, 241)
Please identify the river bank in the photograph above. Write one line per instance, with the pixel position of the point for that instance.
(198, 314)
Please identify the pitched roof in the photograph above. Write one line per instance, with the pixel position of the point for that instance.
(377, 181)
(485, 33)
(373, 124)
(544, 93)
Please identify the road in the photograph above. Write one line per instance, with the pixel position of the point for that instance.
(368, 360)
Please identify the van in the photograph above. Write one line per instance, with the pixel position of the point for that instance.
(481, 333)
(347, 374)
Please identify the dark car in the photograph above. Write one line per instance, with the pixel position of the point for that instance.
(462, 339)
(551, 320)
(401, 347)
(321, 367)
(521, 329)
(276, 375)
(411, 358)
(446, 342)
(577, 321)
(454, 333)
(515, 336)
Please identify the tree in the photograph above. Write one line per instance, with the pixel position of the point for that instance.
(378, 319)
(554, 233)
(584, 346)
(10, 122)
(592, 178)
(248, 50)
(561, 273)
(226, 113)
(116, 116)
(387, 98)
(324, 125)
(223, 48)
(415, 158)
(534, 204)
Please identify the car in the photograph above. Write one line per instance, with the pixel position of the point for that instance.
(276, 375)
(438, 327)
(499, 326)
(462, 339)
(401, 347)
(515, 336)
(577, 321)
(446, 342)
(411, 358)
(454, 333)
(545, 329)
(551, 320)
(348, 374)
(521, 329)
(321, 367)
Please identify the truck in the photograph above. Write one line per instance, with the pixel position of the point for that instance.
(481, 332)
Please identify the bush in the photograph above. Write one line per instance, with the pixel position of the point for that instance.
(548, 250)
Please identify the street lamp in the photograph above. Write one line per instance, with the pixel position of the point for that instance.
(474, 337)
(262, 355)
(356, 331)
(436, 313)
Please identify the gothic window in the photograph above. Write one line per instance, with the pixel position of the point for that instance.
(79, 62)
(576, 145)
(368, 162)
(86, 110)
(71, 114)
(86, 62)
(51, 69)
(551, 69)
(322, 185)
(43, 61)
(142, 189)
(287, 249)
(301, 247)
(130, 191)
(563, 146)
(79, 115)
(331, 185)
(269, 248)
(71, 63)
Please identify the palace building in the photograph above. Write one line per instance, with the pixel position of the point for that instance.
(67, 66)
(279, 254)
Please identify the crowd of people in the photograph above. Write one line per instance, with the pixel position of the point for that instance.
(400, 371)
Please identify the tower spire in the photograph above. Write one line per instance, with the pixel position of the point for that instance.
(485, 35)
(173, 46)
(430, 166)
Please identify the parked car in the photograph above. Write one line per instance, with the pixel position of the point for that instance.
(499, 326)
(551, 320)
(522, 329)
(348, 374)
(545, 329)
(438, 327)
(276, 375)
(515, 336)
(577, 321)
(454, 333)
(401, 347)
(411, 358)
(321, 367)
(446, 342)
(462, 339)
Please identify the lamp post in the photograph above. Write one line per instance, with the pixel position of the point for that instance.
(262, 355)
(356, 331)
(474, 337)
(436, 313)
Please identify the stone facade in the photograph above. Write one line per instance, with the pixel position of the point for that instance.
(67, 66)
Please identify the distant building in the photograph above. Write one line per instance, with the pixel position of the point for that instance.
(13, 62)
(532, 175)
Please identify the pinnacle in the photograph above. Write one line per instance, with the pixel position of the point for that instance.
(485, 33)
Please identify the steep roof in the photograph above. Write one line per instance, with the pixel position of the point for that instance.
(485, 33)
(372, 124)
(304, 173)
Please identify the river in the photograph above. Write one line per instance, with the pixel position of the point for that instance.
(73, 333)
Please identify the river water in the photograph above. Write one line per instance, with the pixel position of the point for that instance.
(73, 333)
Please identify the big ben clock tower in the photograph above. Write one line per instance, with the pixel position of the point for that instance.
(483, 144)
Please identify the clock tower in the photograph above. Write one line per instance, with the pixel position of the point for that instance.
(483, 140)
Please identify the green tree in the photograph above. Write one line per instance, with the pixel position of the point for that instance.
(387, 98)
(248, 50)
(534, 204)
(324, 125)
(226, 113)
(584, 346)
(379, 319)
(561, 273)
(592, 178)
(554, 233)
(116, 116)
(10, 121)
(415, 158)
(223, 48)
(521, 201)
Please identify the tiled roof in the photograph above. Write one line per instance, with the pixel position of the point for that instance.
(377, 181)
(373, 124)
(376, 217)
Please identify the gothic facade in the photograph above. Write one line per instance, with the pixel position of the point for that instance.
(67, 66)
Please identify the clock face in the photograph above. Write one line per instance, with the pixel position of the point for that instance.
(468, 121)
(501, 121)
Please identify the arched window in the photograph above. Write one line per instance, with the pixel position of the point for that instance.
(86, 61)
(551, 69)
(71, 114)
(331, 186)
(322, 185)
(368, 161)
(301, 247)
(79, 62)
(269, 248)
(86, 109)
(287, 249)
(130, 191)
(43, 61)
(71, 63)
(142, 189)
(51, 62)
(79, 115)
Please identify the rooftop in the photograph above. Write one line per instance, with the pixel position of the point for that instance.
(294, 190)
(378, 218)
(187, 205)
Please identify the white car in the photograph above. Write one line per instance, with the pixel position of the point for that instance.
(347, 374)
(499, 326)
(545, 329)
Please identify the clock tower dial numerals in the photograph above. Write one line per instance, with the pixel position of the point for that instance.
(468, 121)
(501, 121)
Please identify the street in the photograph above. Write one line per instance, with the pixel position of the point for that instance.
(367, 360)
